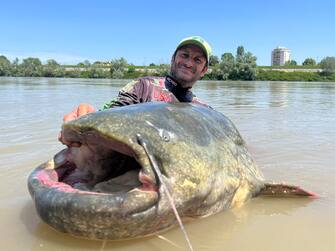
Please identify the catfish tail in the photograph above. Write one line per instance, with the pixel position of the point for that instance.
(284, 190)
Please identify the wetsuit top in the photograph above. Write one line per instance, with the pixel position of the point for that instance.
(147, 89)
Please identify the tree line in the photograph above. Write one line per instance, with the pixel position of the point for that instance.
(241, 66)
(325, 71)
(116, 69)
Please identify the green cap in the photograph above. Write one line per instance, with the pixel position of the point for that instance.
(199, 41)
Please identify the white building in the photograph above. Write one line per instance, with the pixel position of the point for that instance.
(280, 56)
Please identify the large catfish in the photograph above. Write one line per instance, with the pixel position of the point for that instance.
(106, 187)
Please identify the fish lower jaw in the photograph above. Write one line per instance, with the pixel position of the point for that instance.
(148, 188)
(147, 183)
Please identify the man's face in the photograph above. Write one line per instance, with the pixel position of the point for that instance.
(188, 65)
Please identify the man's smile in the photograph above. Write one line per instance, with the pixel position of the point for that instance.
(186, 69)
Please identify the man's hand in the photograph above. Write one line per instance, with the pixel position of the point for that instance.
(81, 110)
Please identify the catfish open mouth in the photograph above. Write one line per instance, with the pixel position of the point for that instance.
(95, 163)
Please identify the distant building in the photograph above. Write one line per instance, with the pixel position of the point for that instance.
(280, 56)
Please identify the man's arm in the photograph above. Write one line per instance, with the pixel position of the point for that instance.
(133, 93)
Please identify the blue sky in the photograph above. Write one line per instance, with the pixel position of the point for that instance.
(148, 31)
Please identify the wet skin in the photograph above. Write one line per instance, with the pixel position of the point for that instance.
(203, 159)
(200, 153)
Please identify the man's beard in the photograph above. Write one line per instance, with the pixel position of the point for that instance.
(184, 83)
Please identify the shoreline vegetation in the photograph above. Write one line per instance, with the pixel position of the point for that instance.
(242, 66)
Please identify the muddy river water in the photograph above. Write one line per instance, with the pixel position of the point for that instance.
(289, 128)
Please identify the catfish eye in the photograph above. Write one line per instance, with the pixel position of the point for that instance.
(165, 136)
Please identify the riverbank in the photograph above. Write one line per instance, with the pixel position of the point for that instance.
(263, 73)
(294, 76)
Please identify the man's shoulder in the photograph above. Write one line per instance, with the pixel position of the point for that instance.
(158, 81)
(146, 80)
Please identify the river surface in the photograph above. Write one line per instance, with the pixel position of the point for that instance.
(289, 128)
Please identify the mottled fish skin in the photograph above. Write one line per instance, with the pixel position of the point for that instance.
(201, 154)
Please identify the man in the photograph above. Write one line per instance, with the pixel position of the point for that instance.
(189, 63)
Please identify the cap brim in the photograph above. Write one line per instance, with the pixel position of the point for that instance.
(197, 43)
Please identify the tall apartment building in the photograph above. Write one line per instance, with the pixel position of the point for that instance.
(280, 56)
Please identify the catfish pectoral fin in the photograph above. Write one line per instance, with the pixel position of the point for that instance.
(285, 190)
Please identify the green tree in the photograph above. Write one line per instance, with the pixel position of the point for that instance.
(309, 61)
(214, 73)
(245, 67)
(213, 60)
(240, 54)
(52, 62)
(96, 72)
(228, 58)
(163, 70)
(31, 67)
(291, 63)
(118, 68)
(53, 69)
(87, 63)
(328, 65)
(131, 68)
(250, 67)
(5, 66)
(15, 68)
(226, 67)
